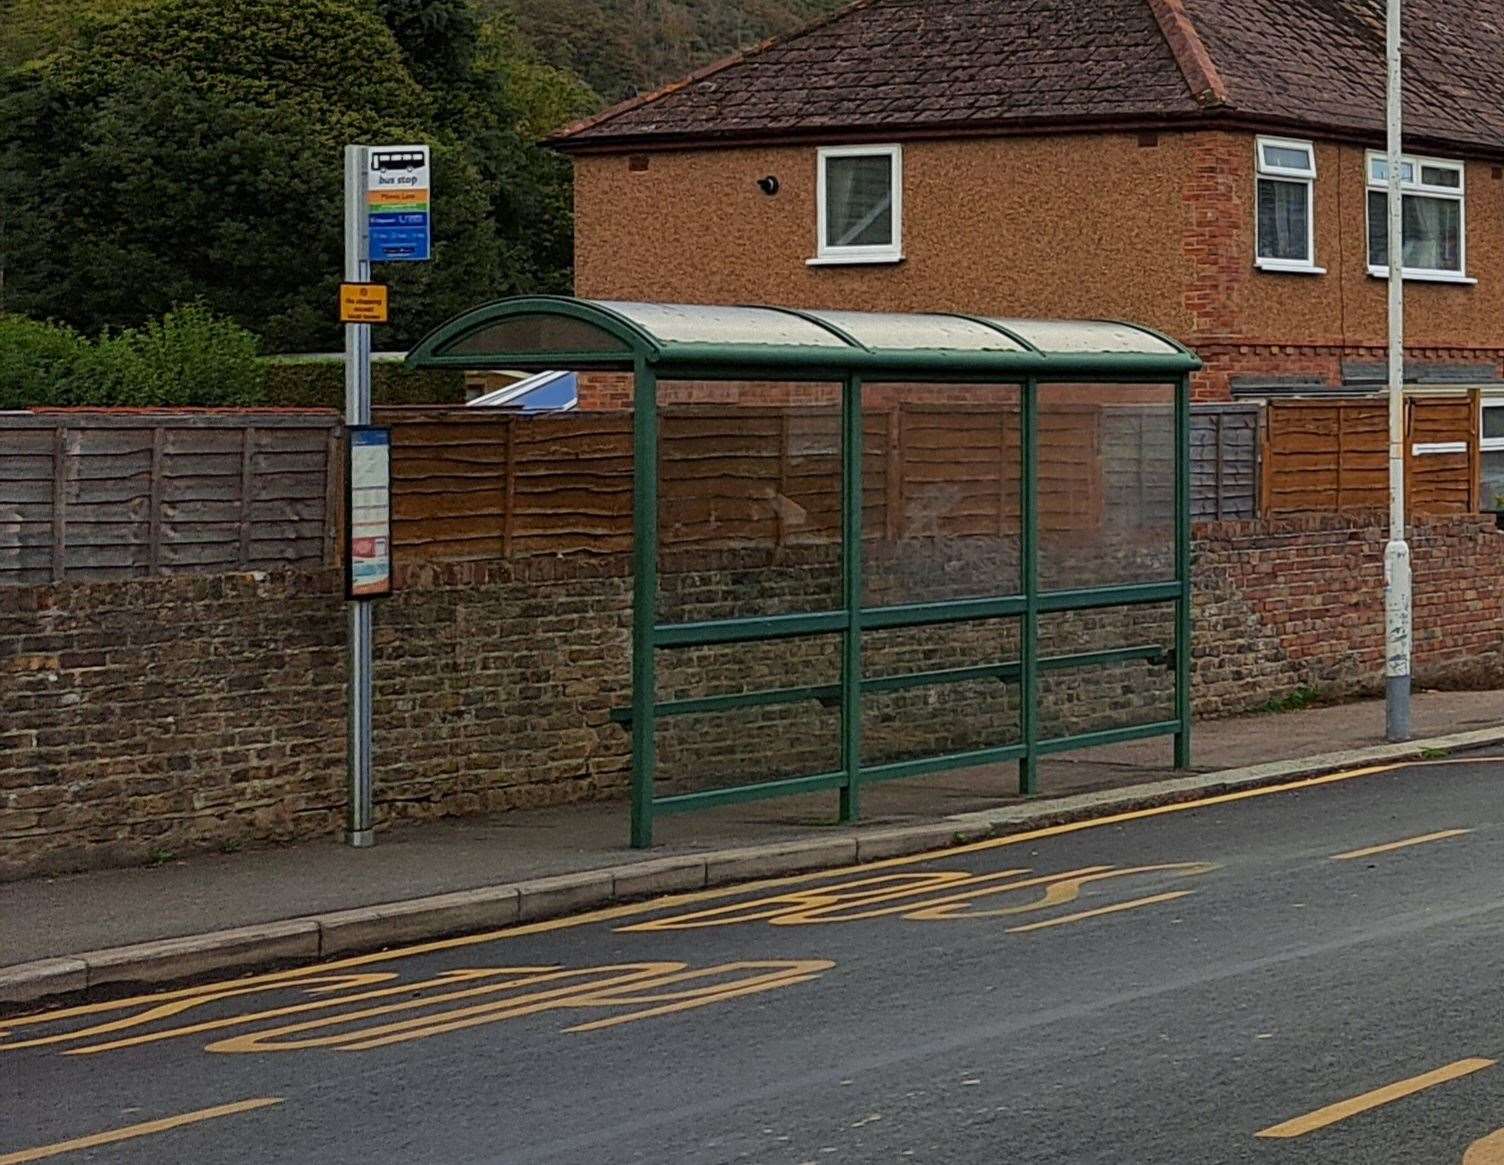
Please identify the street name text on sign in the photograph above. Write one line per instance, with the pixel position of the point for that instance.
(397, 193)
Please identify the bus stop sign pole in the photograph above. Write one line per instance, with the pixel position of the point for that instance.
(361, 828)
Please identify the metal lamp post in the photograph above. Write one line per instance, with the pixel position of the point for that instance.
(1397, 586)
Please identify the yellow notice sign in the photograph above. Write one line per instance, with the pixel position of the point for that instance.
(362, 303)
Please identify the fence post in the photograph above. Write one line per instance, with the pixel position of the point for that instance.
(59, 501)
(509, 484)
(247, 456)
(894, 483)
(154, 517)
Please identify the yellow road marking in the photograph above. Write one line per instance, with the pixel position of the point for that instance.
(636, 909)
(1113, 909)
(145, 1129)
(1332, 1113)
(1393, 845)
(1488, 1151)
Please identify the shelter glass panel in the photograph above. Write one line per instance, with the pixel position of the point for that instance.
(1106, 485)
(749, 510)
(899, 332)
(700, 751)
(1135, 689)
(694, 324)
(536, 334)
(1088, 337)
(925, 693)
(941, 467)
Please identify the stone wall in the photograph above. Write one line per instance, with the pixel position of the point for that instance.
(173, 714)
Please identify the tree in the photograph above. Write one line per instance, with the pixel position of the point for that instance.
(192, 151)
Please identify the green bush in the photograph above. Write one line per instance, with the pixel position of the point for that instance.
(320, 383)
(189, 357)
(38, 362)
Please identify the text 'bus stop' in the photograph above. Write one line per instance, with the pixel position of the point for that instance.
(1008, 519)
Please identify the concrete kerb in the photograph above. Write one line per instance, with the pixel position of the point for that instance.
(343, 932)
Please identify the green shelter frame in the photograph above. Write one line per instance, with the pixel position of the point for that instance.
(656, 342)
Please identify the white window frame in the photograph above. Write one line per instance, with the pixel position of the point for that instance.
(1488, 444)
(1264, 172)
(892, 252)
(1415, 186)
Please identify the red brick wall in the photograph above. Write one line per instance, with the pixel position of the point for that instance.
(1301, 602)
(184, 713)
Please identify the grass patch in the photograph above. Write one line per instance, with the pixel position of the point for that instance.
(1305, 696)
(1434, 753)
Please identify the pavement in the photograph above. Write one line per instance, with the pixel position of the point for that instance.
(1312, 972)
(232, 911)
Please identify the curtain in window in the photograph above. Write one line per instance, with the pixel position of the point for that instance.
(1284, 216)
(1433, 232)
(859, 201)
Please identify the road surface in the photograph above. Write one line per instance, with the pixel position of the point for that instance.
(1309, 975)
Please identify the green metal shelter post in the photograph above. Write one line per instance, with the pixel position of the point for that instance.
(1183, 571)
(644, 599)
(851, 597)
(1028, 655)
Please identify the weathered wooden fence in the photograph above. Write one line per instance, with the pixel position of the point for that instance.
(477, 484)
(1325, 456)
(86, 495)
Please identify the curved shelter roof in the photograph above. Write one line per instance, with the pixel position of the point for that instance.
(702, 340)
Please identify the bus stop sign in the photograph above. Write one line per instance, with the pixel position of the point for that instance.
(397, 194)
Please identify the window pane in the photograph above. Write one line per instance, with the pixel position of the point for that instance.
(1378, 229)
(1493, 482)
(1493, 421)
(1433, 232)
(1288, 157)
(1440, 176)
(1284, 220)
(1379, 168)
(859, 201)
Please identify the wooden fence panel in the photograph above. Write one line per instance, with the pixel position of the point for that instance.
(1327, 456)
(1224, 462)
(478, 484)
(115, 495)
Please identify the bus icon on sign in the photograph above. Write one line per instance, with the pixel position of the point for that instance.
(398, 160)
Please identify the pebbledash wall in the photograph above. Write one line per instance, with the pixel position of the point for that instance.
(1068, 241)
(173, 714)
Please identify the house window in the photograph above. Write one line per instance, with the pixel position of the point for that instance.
(1434, 218)
(1492, 448)
(1286, 193)
(860, 197)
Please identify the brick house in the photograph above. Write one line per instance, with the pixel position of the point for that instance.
(1209, 167)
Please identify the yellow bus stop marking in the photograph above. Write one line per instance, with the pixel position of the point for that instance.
(1116, 907)
(1488, 1151)
(279, 979)
(1394, 845)
(1301, 1125)
(145, 1129)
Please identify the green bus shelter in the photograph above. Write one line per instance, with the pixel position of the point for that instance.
(856, 353)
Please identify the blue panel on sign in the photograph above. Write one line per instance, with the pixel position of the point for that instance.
(399, 241)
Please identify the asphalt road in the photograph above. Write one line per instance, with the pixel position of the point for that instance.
(1160, 988)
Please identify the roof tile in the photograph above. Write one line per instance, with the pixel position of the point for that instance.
(912, 63)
